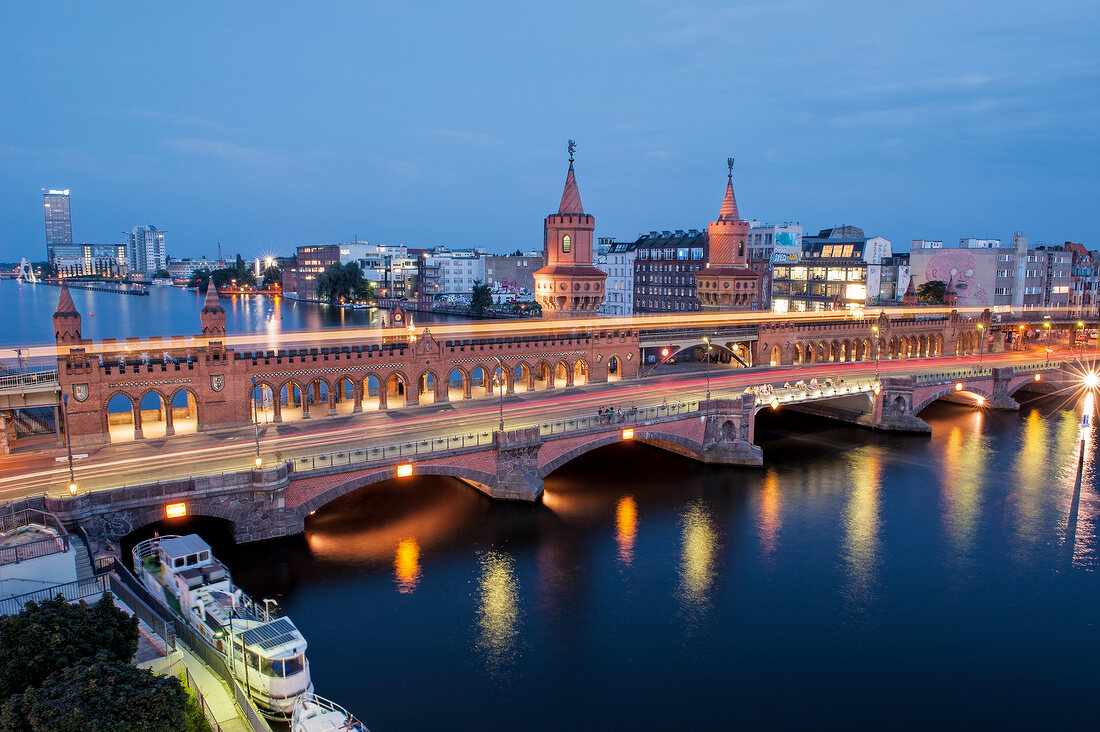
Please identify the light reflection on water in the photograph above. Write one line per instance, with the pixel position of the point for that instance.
(626, 528)
(498, 613)
(406, 565)
(961, 480)
(771, 505)
(861, 526)
(698, 549)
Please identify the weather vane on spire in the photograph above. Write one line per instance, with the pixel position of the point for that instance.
(729, 164)
(572, 147)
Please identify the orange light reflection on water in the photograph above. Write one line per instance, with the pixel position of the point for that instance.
(626, 528)
(770, 505)
(406, 565)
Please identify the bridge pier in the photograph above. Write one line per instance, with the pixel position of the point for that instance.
(1001, 399)
(893, 410)
(728, 432)
(517, 465)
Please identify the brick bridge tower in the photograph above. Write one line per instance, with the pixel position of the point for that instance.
(212, 315)
(66, 320)
(569, 286)
(726, 282)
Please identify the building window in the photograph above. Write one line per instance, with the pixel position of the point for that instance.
(565, 244)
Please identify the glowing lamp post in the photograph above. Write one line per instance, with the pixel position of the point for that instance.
(874, 347)
(981, 343)
(707, 341)
(68, 444)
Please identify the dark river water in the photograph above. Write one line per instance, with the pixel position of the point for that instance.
(859, 580)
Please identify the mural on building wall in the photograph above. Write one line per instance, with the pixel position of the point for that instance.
(973, 277)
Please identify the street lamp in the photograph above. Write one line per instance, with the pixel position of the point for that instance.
(68, 444)
(874, 329)
(501, 402)
(1080, 332)
(981, 343)
(256, 422)
(707, 341)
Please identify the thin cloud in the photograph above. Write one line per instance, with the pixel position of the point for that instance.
(224, 150)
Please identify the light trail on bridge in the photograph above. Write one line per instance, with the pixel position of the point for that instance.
(502, 329)
(23, 475)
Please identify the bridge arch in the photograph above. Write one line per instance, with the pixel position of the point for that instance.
(395, 390)
(796, 354)
(663, 440)
(185, 411)
(580, 372)
(457, 382)
(261, 398)
(777, 355)
(196, 508)
(614, 367)
(480, 383)
(118, 417)
(292, 400)
(346, 391)
(1043, 386)
(466, 475)
(523, 378)
(966, 391)
(427, 386)
(371, 391)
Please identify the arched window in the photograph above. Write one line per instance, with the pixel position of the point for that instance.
(565, 244)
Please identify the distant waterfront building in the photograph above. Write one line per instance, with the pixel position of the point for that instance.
(186, 267)
(311, 262)
(617, 259)
(145, 250)
(59, 224)
(102, 260)
(513, 273)
(840, 268)
(769, 244)
(665, 265)
(443, 271)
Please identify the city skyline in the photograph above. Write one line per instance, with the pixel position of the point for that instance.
(317, 128)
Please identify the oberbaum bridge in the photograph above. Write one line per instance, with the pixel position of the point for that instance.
(177, 385)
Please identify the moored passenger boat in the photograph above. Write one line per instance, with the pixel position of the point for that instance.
(268, 657)
(316, 714)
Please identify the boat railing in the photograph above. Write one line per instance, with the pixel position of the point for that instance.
(327, 705)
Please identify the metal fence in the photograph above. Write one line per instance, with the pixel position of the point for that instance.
(71, 591)
(12, 523)
(29, 378)
(142, 609)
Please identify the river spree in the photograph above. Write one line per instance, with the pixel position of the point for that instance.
(166, 311)
(859, 580)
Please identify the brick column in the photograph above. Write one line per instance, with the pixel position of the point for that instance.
(5, 445)
(332, 404)
(169, 426)
(359, 387)
(382, 396)
(136, 411)
(278, 402)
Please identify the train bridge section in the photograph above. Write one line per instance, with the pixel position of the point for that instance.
(275, 501)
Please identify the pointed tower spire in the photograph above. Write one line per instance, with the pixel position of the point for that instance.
(66, 319)
(950, 297)
(571, 196)
(212, 315)
(910, 296)
(729, 203)
(65, 305)
(213, 302)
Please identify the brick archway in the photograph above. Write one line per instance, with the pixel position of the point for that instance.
(381, 475)
(654, 438)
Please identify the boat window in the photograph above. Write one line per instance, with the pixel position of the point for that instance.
(192, 559)
(177, 562)
(294, 665)
(271, 668)
(203, 556)
(253, 660)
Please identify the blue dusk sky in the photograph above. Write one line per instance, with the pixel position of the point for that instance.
(269, 125)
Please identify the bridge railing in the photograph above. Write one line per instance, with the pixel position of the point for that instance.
(615, 415)
(40, 377)
(952, 375)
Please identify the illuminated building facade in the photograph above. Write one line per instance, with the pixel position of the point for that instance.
(59, 223)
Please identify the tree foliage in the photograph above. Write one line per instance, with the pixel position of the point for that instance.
(480, 299)
(344, 282)
(53, 634)
(932, 292)
(106, 696)
(272, 276)
(66, 667)
(161, 274)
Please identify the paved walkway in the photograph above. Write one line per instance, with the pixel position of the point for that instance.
(215, 697)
